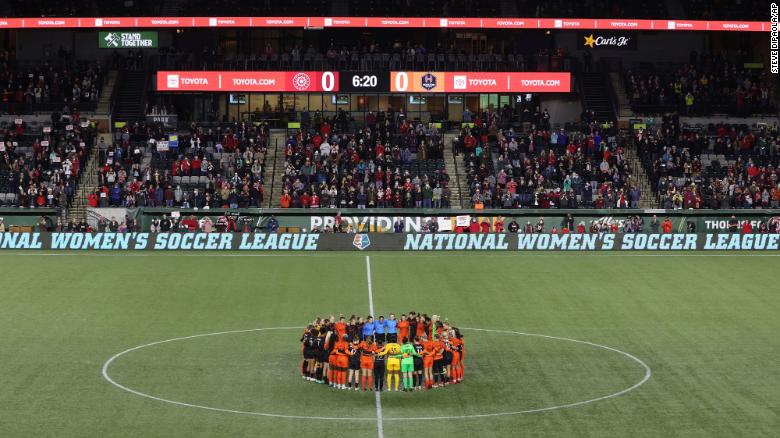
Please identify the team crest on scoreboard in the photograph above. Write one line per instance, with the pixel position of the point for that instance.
(428, 81)
(361, 241)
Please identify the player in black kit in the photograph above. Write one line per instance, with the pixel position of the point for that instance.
(309, 340)
(379, 369)
(418, 364)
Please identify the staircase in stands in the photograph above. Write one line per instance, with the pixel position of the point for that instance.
(275, 170)
(88, 181)
(639, 177)
(454, 165)
(595, 94)
(131, 96)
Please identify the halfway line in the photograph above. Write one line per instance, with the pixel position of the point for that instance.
(378, 398)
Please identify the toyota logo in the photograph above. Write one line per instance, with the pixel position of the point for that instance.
(301, 81)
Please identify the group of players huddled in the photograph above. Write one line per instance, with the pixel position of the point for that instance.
(358, 353)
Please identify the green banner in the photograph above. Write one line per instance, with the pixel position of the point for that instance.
(127, 40)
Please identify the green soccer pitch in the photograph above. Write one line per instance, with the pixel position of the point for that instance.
(631, 345)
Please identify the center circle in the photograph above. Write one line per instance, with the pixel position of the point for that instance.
(467, 331)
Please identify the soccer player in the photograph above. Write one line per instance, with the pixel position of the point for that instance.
(380, 328)
(457, 356)
(341, 327)
(422, 326)
(341, 350)
(392, 328)
(402, 326)
(327, 349)
(393, 367)
(379, 369)
(418, 364)
(429, 352)
(319, 347)
(354, 365)
(408, 354)
(367, 349)
(309, 341)
(368, 327)
(438, 361)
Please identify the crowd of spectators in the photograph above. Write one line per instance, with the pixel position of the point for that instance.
(389, 162)
(541, 167)
(754, 10)
(49, 86)
(42, 169)
(373, 55)
(718, 166)
(209, 168)
(712, 85)
(592, 9)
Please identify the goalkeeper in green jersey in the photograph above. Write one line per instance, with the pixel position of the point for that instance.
(408, 353)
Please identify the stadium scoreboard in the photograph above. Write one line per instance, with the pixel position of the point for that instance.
(357, 81)
(364, 81)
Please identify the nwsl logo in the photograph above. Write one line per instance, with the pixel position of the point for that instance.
(361, 241)
(428, 81)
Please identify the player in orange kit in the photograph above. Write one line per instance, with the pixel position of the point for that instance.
(341, 350)
(341, 327)
(428, 354)
(403, 327)
(366, 349)
(456, 343)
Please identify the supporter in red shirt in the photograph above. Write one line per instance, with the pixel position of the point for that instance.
(191, 223)
(195, 165)
(485, 226)
(581, 228)
(747, 228)
(474, 226)
(305, 200)
(469, 143)
(285, 200)
(499, 225)
(666, 225)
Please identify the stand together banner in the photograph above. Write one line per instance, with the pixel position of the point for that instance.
(388, 242)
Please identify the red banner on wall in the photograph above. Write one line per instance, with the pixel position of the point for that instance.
(385, 22)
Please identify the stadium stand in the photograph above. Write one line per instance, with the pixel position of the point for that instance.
(540, 167)
(42, 169)
(711, 86)
(719, 10)
(398, 55)
(593, 9)
(222, 166)
(716, 166)
(384, 164)
(48, 87)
